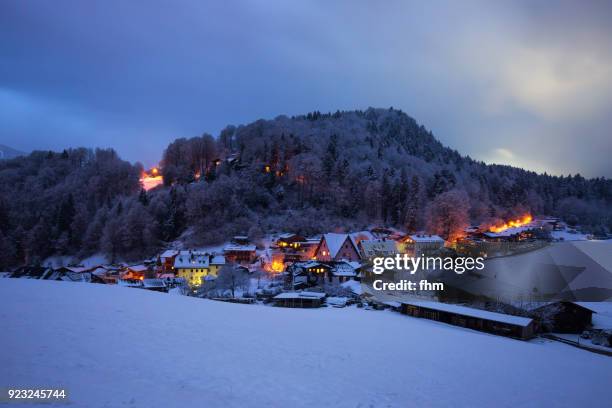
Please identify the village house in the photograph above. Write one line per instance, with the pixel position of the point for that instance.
(135, 272)
(289, 241)
(236, 253)
(482, 320)
(195, 267)
(166, 260)
(296, 248)
(107, 274)
(336, 247)
(420, 244)
(344, 271)
(192, 266)
(313, 273)
(308, 273)
(377, 247)
(564, 316)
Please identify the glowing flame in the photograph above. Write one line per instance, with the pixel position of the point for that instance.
(519, 222)
(277, 266)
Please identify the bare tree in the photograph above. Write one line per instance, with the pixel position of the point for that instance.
(233, 278)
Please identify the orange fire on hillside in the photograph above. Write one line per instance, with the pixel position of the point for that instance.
(519, 222)
(151, 179)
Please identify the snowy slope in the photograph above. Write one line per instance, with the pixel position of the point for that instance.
(113, 346)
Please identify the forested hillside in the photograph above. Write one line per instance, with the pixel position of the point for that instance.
(308, 174)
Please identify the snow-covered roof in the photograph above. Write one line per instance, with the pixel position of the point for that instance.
(310, 264)
(99, 271)
(300, 295)
(169, 253)
(471, 312)
(235, 247)
(138, 268)
(193, 260)
(359, 236)
(334, 242)
(129, 283)
(286, 235)
(153, 283)
(426, 238)
(378, 247)
(344, 269)
(217, 260)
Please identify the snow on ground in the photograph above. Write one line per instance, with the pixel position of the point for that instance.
(113, 346)
(602, 318)
(568, 236)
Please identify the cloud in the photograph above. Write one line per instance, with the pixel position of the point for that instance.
(525, 77)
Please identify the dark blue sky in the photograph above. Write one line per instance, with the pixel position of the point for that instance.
(523, 83)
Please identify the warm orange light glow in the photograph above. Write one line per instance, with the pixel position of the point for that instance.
(277, 266)
(151, 179)
(519, 222)
(150, 182)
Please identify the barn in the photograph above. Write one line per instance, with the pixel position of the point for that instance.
(482, 320)
(299, 299)
(565, 316)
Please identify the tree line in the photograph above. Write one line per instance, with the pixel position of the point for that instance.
(308, 174)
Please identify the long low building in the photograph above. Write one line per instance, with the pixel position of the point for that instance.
(491, 322)
(299, 299)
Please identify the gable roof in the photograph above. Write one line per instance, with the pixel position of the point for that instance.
(357, 237)
(191, 260)
(169, 253)
(378, 247)
(138, 268)
(335, 241)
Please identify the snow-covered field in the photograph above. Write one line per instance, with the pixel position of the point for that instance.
(113, 346)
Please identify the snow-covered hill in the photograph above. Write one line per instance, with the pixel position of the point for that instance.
(113, 346)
